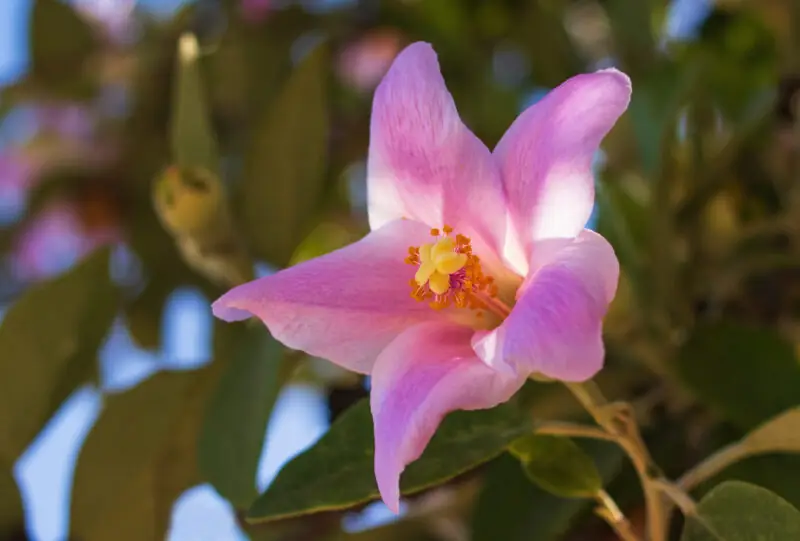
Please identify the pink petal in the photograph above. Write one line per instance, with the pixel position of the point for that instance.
(425, 373)
(546, 155)
(556, 326)
(345, 306)
(424, 163)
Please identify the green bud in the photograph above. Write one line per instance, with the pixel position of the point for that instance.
(192, 206)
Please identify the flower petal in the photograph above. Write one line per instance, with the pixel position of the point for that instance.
(556, 326)
(424, 163)
(345, 306)
(546, 156)
(425, 373)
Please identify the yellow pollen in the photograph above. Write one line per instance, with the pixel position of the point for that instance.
(448, 273)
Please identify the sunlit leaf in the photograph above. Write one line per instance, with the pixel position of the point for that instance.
(558, 465)
(781, 433)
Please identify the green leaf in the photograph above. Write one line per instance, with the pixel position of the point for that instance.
(632, 28)
(777, 473)
(781, 433)
(143, 453)
(234, 427)
(61, 43)
(512, 508)
(143, 315)
(12, 514)
(285, 166)
(338, 472)
(114, 479)
(49, 339)
(736, 511)
(192, 137)
(723, 362)
(558, 465)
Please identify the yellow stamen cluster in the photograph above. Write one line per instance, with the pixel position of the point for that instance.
(449, 273)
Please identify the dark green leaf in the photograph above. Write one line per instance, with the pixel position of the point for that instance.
(285, 166)
(512, 508)
(632, 28)
(736, 511)
(558, 465)
(49, 339)
(234, 428)
(778, 473)
(652, 111)
(193, 140)
(338, 473)
(725, 362)
(61, 44)
(12, 514)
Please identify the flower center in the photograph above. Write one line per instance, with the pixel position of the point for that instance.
(449, 273)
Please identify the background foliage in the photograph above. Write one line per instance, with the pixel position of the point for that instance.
(159, 162)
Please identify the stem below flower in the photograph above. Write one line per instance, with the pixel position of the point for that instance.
(627, 436)
(610, 512)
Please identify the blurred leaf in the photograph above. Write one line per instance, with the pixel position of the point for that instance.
(777, 473)
(113, 496)
(736, 511)
(12, 513)
(724, 362)
(192, 136)
(653, 111)
(235, 423)
(512, 508)
(781, 433)
(141, 455)
(632, 28)
(541, 29)
(49, 339)
(558, 465)
(325, 238)
(738, 55)
(624, 221)
(285, 165)
(338, 471)
(61, 43)
(143, 315)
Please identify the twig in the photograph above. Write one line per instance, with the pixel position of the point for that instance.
(606, 415)
(574, 430)
(611, 513)
(712, 465)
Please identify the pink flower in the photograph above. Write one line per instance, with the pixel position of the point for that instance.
(513, 285)
(57, 238)
(255, 11)
(364, 62)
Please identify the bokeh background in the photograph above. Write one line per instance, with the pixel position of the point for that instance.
(110, 358)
